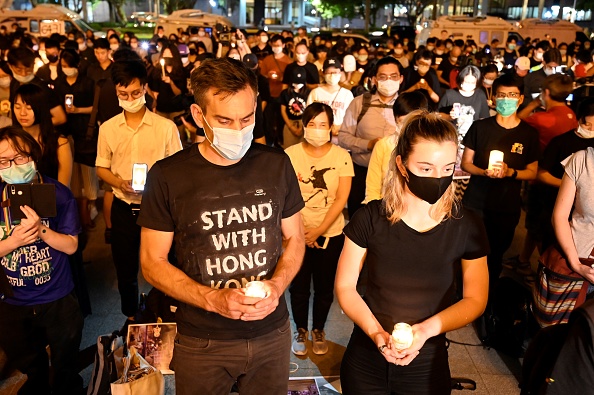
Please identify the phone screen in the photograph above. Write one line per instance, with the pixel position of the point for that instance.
(139, 171)
(68, 100)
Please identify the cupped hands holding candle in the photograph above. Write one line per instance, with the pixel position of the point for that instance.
(255, 289)
(497, 167)
(401, 346)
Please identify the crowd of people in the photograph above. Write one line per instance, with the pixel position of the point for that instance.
(254, 145)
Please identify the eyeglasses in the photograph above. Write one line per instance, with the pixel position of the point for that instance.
(17, 160)
(383, 77)
(503, 95)
(332, 73)
(135, 95)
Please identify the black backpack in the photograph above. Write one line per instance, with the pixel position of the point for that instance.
(367, 104)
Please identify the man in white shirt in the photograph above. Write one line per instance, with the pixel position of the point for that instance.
(136, 136)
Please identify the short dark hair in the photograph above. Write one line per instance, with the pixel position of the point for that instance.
(51, 43)
(585, 109)
(387, 60)
(424, 54)
(511, 38)
(508, 81)
(559, 86)
(22, 142)
(552, 55)
(275, 38)
(114, 35)
(544, 45)
(101, 43)
(315, 109)
(407, 102)
(124, 72)
(22, 55)
(71, 58)
(226, 76)
(71, 44)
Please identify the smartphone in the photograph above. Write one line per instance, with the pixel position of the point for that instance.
(139, 171)
(570, 97)
(69, 100)
(456, 108)
(40, 197)
(5, 106)
(535, 95)
(561, 69)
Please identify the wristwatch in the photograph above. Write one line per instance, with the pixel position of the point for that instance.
(514, 174)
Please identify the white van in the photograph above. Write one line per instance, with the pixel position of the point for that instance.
(481, 29)
(46, 19)
(183, 19)
(563, 31)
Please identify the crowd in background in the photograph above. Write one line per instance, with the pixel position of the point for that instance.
(337, 107)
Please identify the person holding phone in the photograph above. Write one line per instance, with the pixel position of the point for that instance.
(135, 136)
(412, 242)
(324, 171)
(40, 308)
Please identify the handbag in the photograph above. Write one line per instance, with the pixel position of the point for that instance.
(138, 377)
(108, 364)
(85, 149)
(558, 290)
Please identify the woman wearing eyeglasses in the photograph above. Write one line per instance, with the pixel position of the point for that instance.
(31, 112)
(39, 307)
(411, 242)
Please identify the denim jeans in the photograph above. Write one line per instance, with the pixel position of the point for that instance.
(26, 330)
(260, 365)
(364, 370)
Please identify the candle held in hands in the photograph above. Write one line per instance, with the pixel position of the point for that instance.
(255, 289)
(494, 157)
(162, 61)
(402, 336)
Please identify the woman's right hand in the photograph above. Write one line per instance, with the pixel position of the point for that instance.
(24, 234)
(585, 271)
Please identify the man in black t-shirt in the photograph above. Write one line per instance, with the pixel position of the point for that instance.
(494, 188)
(311, 71)
(233, 209)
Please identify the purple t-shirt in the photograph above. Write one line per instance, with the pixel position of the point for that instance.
(37, 272)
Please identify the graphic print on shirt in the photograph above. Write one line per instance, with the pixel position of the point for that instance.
(238, 239)
(316, 179)
(296, 106)
(29, 264)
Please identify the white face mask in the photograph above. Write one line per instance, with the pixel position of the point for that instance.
(538, 56)
(584, 133)
(70, 71)
(488, 82)
(467, 90)
(363, 58)
(5, 82)
(114, 47)
(264, 39)
(235, 56)
(398, 51)
(388, 88)
(82, 46)
(231, 144)
(23, 80)
(549, 70)
(133, 106)
(277, 50)
(332, 79)
(316, 137)
(301, 58)
(298, 86)
(134, 45)
(201, 34)
(439, 52)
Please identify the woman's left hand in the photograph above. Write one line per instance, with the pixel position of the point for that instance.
(166, 79)
(32, 220)
(71, 109)
(406, 356)
(311, 236)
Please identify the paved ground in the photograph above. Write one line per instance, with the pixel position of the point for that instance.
(493, 373)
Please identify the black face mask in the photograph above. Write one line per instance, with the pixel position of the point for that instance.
(52, 58)
(429, 189)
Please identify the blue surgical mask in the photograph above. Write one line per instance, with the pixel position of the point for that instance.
(19, 174)
(507, 106)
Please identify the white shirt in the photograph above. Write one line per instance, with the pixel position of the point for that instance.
(119, 146)
(339, 101)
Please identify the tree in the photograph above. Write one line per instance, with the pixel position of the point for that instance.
(172, 5)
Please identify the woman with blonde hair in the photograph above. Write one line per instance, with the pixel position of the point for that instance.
(411, 242)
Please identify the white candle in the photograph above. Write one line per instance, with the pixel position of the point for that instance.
(255, 289)
(494, 157)
(162, 61)
(402, 336)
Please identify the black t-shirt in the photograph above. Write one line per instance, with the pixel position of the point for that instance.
(411, 77)
(97, 73)
(408, 282)
(295, 102)
(520, 147)
(83, 91)
(533, 83)
(261, 53)
(227, 225)
(167, 101)
(312, 75)
(509, 59)
(446, 68)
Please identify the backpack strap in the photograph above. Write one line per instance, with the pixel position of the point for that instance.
(367, 104)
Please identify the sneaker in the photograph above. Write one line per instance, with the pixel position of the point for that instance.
(299, 347)
(320, 347)
(93, 211)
